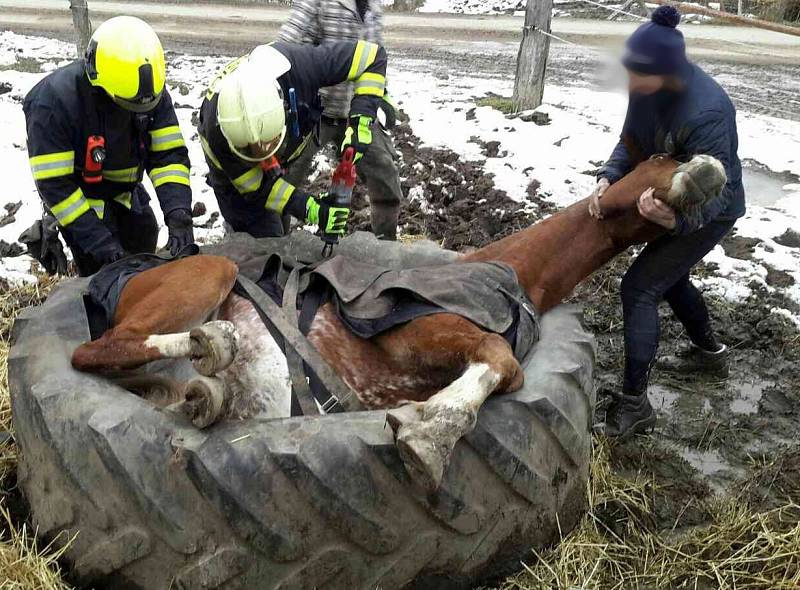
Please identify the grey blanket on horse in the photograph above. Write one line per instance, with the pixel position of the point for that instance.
(371, 299)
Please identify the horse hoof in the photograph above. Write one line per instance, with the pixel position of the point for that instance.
(404, 415)
(214, 346)
(422, 460)
(204, 399)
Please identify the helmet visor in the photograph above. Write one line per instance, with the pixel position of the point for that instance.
(139, 104)
(147, 96)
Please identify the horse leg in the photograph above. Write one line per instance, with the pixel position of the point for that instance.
(426, 432)
(155, 310)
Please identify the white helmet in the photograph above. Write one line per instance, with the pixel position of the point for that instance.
(250, 106)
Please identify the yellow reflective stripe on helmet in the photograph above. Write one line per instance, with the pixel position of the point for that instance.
(99, 206)
(214, 88)
(52, 165)
(249, 181)
(370, 84)
(71, 208)
(166, 138)
(122, 174)
(125, 199)
(207, 151)
(177, 173)
(279, 195)
(363, 57)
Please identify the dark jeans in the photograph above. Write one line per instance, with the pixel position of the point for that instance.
(136, 230)
(661, 271)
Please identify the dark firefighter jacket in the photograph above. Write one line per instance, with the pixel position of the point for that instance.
(698, 120)
(61, 112)
(312, 67)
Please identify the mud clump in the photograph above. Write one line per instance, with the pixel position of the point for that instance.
(447, 199)
(739, 247)
(778, 278)
(789, 238)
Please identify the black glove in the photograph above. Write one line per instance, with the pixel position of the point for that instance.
(181, 230)
(389, 108)
(109, 254)
(44, 245)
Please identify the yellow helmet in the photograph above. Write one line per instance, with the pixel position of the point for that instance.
(125, 58)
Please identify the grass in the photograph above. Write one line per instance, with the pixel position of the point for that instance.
(24, 64)
(500, 103)
(615, 546)
(23, 564)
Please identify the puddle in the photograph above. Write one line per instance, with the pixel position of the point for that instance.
(667, 399)
(662, 398)
(763, 186)
(748, 394)
(706, 462)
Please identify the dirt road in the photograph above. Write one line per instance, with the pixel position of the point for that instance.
(229, 27)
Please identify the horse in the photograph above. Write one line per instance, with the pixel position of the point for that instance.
(431, 374)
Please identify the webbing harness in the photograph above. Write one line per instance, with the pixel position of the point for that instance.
(313, 380)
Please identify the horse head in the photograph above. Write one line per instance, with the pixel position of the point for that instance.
(685, 186)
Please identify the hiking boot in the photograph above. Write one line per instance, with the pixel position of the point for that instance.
(628, 415)
(694, 359)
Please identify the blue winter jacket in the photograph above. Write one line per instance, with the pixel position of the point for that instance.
(700, 119)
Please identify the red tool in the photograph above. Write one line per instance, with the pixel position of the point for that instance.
(340, 193)
(95, 156)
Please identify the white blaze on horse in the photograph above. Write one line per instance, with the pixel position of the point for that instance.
(435, 371)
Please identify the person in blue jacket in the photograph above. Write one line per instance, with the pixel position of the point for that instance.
(674, 108)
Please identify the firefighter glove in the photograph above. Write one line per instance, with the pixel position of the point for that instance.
(45, 246)
(389, 108)
(331, 219)
(181, 231)
(358, 135)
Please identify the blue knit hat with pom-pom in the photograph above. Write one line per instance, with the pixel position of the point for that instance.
(657, 46)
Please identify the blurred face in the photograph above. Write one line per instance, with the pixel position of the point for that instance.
(644, 84)
(262, 151)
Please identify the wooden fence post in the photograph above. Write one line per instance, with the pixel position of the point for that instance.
(532, 57)
(82, 25)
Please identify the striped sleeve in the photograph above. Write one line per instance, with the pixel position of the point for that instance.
(52, 159)
(168, 161)
(332, 63)
(302, 26)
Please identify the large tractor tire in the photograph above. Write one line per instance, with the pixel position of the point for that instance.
(147, 501)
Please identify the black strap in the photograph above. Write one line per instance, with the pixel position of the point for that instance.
(300, 388)
(340, 394)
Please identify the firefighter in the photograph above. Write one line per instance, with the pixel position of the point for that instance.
(94, 127)
(262, 111)
(322, 21)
